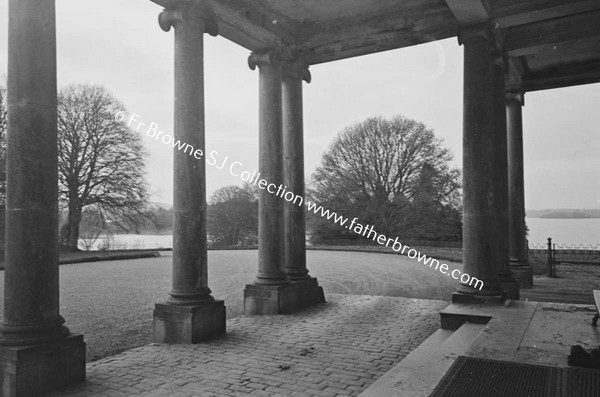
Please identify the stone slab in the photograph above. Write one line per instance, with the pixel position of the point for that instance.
(552, 331)
(32, 370)
(453, 319)
(281, 299)
(419, 373)
(504, 332)
(188, 324)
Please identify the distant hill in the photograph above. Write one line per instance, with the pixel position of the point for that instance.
(564, 213)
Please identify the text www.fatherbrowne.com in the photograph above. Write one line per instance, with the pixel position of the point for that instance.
(237, 169)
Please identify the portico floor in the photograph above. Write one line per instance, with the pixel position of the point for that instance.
(341, 348)
(337, 348)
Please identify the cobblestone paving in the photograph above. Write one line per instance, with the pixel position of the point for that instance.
(335, 349)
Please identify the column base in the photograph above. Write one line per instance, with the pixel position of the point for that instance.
(36, 369)
(512, 289)
(523, 273)
(188, 324)
(269, 299)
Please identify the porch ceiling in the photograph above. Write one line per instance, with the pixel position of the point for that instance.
(552, 43)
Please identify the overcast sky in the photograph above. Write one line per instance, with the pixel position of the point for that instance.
(118, 44)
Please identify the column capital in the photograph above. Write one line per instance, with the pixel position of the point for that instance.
(517, 98)
(264, 58)
(486, 30)
(298, 70)
(493, 36)
(169, 18)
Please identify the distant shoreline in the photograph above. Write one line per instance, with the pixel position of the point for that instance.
(564, 214)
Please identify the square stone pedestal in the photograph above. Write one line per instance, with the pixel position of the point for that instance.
(280, 299)
(188, 324)
(512, 290)
(32, 370)
(523, 275)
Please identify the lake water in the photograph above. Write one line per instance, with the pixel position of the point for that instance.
(129, 241)
(562, 231)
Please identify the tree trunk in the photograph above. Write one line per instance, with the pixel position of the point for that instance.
(73, 226)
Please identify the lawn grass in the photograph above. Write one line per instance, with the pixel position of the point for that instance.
(445, 253)
(68, 257)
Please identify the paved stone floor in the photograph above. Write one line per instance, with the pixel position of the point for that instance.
(111, 302)
(333, 349)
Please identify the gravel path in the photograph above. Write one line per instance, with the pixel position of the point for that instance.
(111, 302)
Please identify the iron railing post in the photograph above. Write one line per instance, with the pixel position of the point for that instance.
(550, 272)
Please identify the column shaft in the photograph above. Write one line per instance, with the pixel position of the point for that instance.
(480, 176)
(519, 251)
(190, 313)
(500, 171)
(31, 293)
(189, 201)
(37, 352)
(281, 237)
(293, 143)
(270, 206)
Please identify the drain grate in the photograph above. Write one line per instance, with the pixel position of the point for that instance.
(582, 382)
(475, 377)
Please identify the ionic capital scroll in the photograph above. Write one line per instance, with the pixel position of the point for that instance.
(298, 70)
(183, 14)
(263, 58)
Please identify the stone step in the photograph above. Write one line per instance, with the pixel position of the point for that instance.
(421, 370)
(455, 315)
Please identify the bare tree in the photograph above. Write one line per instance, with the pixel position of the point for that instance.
(101, 161)
(376, 170)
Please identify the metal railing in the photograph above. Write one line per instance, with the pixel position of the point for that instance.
(544, 257)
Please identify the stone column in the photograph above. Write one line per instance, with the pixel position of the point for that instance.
(293, 144)
(519, 251)
(500, 170)
(263, 296)
(190, 313)
(294, 207)
(482, 178)
(271, 292)
(270, 206)
(37, 352)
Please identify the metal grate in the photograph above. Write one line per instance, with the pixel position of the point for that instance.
(582, 382)
(476, 377)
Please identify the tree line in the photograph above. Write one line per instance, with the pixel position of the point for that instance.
(393, 174)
